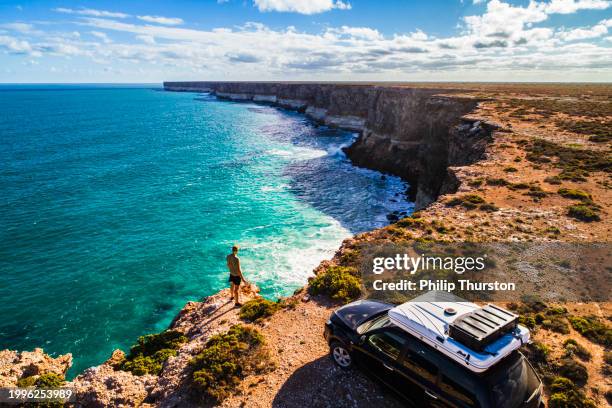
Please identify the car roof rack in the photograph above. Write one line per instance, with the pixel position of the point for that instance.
(481, 327)
(476, 337)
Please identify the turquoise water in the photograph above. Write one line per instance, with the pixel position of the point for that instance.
(119, 204)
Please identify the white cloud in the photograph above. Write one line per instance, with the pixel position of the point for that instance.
(357, 32)
(14, 45)
(505, 41)
(572, 6)
(91, 12)
(162, 20)
(147, 39)
(301, 6)
(19, 27)
(103, 36)
(598, 30)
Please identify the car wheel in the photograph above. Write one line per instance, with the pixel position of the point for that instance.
(340, 355)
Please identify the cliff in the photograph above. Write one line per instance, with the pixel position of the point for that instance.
(414, 133)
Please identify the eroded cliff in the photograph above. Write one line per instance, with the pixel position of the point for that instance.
(412, 133)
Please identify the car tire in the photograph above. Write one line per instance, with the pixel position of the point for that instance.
(340, 355)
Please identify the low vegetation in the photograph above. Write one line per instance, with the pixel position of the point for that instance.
(565, 394)
(535, 313)
(573, 348)
(536, 192)
(48, 380)
(593, 329)
(258, 309)
(470, 202)
(574, 194)
(584, 212)
(228, 358)
(337, 282)
(575, 164)
(150, 353)
(598, 131)
(573, 370)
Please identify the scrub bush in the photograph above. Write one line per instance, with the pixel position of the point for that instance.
(337, 282)
(556, 323)
(593, 329)
(469, 201)
(573, 370)
(150, 353)
(257, 309)
(584, 212)
(48, 380)
(497, 182)
(565, 394)
(574, 194)
(228, 358)
(573, 348)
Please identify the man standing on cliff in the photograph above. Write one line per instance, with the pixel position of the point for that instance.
(235, 278)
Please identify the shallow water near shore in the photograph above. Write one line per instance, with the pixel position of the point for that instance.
(119, 204)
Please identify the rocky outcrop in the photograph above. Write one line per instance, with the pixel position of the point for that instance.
(15, 365)
(416, 134)
(103, 386)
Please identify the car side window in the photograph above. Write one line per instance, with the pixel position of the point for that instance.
(457, 391)
(388, 342)
(421, 366)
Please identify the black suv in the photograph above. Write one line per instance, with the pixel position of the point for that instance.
(361, 333)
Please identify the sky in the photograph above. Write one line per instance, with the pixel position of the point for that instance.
(62, 41)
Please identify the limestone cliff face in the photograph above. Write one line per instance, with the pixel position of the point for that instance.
(412, 133)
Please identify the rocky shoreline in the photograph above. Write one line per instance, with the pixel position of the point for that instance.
(416, 134)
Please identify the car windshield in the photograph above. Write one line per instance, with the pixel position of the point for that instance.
(379, 321)
(512, 382)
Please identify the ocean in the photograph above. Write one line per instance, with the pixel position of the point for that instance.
(118, 205)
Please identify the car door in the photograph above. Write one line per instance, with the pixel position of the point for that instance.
(417, 366)
(387, 364)
(379, 353)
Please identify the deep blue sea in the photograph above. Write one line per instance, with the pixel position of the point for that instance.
(118, 205)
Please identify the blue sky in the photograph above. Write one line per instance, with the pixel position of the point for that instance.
(442, 40)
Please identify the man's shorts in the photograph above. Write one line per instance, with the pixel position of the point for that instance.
(235, 279)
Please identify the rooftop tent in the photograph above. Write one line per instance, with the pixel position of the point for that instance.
(476, 337)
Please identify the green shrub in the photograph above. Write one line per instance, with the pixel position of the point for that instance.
(608, 357)
(553, 180)
(497, 182)
(556, 324)
(26, 382)
(539, 352)
(527, 321)
(50, 380)
(150, 353)
(258, 309)
(562, 384)
(593, 329)
(468, 201)
(583, 212)
(573, 348)
(510, 169)
(410, 222)
(570, 399)
(519, 186)
(573, 370)
(337, 282)
(476, 182)
(488, 207)
(228, 358)
(574, 194)
(565, 394)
